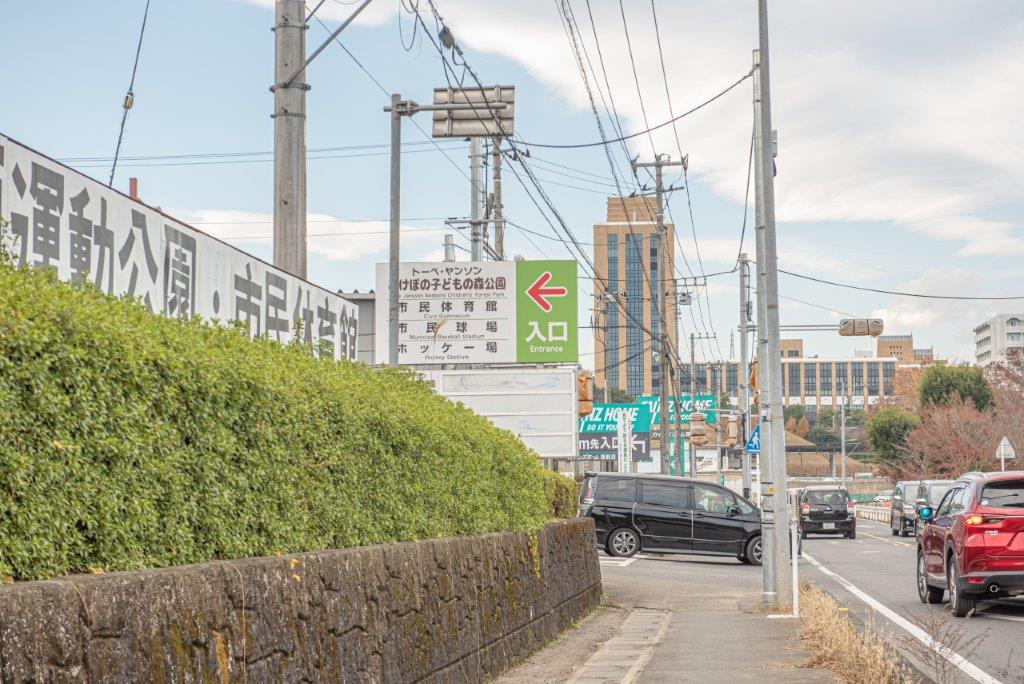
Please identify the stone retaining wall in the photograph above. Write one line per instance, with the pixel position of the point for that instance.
(454, 609)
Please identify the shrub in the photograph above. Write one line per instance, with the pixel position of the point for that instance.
(131, 440)
(562, 493)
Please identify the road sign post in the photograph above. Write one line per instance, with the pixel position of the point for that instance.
(1005, 451)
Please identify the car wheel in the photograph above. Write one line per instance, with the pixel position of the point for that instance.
(961, 605)
(803, 534)
(892, 526)
(904, 532)
(754, 550)
(623, 542)
(926, 592)
(852, 534)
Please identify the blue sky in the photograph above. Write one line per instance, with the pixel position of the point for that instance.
(899, 135)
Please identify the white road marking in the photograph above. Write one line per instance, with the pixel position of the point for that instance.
(887, 541)
(961, 663)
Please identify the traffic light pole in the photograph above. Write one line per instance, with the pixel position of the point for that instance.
(774, 520)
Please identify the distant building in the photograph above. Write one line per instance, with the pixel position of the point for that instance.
(902, 347)
(792, 348)
(366, 301)
(626, 260)
(996, 336)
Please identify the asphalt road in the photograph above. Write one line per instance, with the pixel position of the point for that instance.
(881, 568)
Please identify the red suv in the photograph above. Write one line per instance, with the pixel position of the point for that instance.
(973, 543)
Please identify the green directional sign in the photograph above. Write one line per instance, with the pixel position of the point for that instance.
(706, 404)
(546, 299)
(604, 417)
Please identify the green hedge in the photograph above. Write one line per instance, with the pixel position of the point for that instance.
(562, 494)
(131, 440)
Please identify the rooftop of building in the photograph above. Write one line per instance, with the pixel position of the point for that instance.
(895, 338)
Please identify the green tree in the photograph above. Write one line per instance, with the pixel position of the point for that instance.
(615, 396)
(826, 417)
(939, 383)
(794, 411)
(822, 433)
(887, 432)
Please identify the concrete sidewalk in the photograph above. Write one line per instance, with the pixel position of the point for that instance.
(676, 619)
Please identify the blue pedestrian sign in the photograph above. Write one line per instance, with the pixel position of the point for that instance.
(754, 443)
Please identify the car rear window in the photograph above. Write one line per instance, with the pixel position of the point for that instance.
(936, 492)
(616, 489)
(1008, 494)
(836, 497)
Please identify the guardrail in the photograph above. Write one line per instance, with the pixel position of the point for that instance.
(876, 513)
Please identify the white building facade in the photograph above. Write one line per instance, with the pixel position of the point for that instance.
(996, 336)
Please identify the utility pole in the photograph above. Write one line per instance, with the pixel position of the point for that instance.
(745, 369)
(477, 200)
(658, 285)
(694, 338)
(499, 222)
(290, 137)
(449, 247)
(775, 521)
(842, 432)
(394, 257)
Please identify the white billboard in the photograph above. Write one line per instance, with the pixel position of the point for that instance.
(84, 231)
(538, 405)
(450, 312)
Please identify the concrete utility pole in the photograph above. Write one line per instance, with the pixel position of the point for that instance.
(745, 369)
(394, 234)
(477, 199)
(499, 222)
(775, 521)
(842, 431)
(290, 137)
(660, 345)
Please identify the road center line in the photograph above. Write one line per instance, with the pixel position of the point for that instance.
(887, 541)
(961, 663)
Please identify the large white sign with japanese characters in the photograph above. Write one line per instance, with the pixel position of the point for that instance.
(481, 312)
(63, 220)
(450, 312)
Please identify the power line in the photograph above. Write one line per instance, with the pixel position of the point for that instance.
(644, 132)
(129, 98)
(215, 155)
(918, 295)
(819, 306)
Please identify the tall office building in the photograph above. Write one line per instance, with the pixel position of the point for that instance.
(626, 258)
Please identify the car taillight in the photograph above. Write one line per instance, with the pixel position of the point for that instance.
(974, 519)
(805, 507)
(850, 506)
(588, 495)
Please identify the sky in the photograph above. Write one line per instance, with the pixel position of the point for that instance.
(898, 162)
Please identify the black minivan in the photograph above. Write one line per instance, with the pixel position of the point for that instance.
(634, 512)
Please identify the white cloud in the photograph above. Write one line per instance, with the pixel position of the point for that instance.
(330, 237)
(884, 114)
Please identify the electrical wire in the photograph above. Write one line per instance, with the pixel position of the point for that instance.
(636, 78)
(898, 293)
(685, 114)
(129, 98)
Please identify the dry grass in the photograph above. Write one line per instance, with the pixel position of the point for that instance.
(856, 657)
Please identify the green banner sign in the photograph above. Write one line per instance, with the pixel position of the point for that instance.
(604, 417)
(546, 300)
(706, 404)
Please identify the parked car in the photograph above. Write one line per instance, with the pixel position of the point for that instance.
(902, 517)
(930, 493)
(883, 497)
(827, 509)
(633, 512)
(972, 544)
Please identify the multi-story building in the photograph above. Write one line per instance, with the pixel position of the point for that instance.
(902, 347)
(627, 263)
(997, 336)
(810, 381)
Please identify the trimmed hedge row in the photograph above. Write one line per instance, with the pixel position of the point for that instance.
(131, 440)
(562, 493)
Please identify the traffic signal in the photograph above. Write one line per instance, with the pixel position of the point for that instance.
(585, 392)
(698, 429)
(857, 327)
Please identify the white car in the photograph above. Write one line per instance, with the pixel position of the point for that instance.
(884, 496)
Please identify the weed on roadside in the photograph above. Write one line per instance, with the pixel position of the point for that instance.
(856, 657)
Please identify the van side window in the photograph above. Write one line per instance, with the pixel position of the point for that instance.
(660, 494)
(616, 489)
